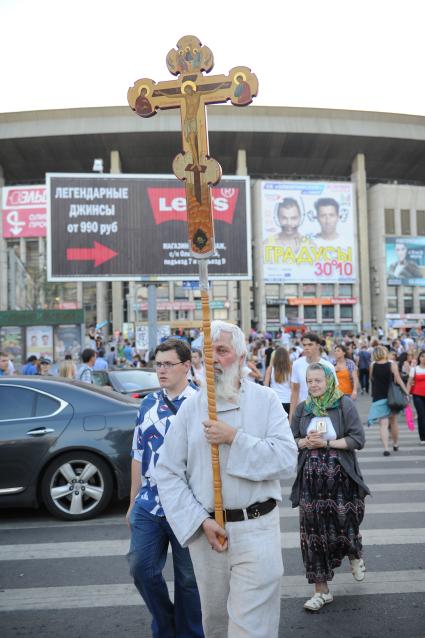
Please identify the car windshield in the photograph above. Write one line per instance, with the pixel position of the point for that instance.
(131, 380)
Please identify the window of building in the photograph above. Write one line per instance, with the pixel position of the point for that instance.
(389, 217)
(345, 290)
(220, 313)
(291, 313)
(220, 290)
(273, 290)
(346, 313)
(328, 313)
(180, 292)
(420, 222)
(163, 291)
(405, 222)
(327, 290)
(197, 315)
(422, 304)
(310, 313)
(309, 290)
(392, 304)
(291, 290)
(408, 304)
(273, 313)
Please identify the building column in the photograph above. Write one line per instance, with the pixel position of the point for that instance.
(41, 265)
(102, 302)
(3, 256)
(259, 287)
(244, 286)
(80, 294)
(117, 287)
(358, 177)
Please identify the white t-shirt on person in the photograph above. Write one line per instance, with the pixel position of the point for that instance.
(299, 371)
(283, 390)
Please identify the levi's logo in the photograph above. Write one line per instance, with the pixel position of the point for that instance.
(169, 204)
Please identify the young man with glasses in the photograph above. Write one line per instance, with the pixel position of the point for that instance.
(150, 531)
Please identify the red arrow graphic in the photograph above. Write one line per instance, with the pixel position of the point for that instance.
(98, 253)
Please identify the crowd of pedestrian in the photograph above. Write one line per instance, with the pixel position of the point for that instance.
(286, 406)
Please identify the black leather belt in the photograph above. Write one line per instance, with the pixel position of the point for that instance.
(252, 511)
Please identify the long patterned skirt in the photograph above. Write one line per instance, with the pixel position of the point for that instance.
(331, 510)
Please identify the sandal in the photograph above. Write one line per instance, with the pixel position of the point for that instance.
(318, 600)
(358, 568)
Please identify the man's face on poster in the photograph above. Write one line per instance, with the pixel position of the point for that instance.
(401, 251)
(289, 220)
(327, 216)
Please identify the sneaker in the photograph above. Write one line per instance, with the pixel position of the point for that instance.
(386, 453)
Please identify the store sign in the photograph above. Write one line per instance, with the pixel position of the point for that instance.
(321, 301)
(24, 212)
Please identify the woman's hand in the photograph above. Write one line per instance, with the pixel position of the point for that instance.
(353, 395)
(314, 440)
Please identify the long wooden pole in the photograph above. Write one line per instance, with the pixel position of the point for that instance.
(209, 375)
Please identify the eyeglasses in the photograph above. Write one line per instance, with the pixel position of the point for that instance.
(167, 365)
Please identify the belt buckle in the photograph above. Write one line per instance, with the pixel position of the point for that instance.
(256, 513)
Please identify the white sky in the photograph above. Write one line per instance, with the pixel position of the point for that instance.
(349, 54)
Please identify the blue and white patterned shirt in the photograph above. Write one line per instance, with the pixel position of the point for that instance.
(152, 424)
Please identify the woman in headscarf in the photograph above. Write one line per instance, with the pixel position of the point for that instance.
(329, 488)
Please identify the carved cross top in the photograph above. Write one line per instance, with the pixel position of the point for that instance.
(191, 92)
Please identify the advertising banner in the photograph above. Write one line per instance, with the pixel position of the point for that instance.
(11, 342)
(40, 341)
(134, 227)
(405, 261)
(24, 212)
(67, 341)
(308, 232)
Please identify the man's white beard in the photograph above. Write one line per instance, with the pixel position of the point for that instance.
(227, 382)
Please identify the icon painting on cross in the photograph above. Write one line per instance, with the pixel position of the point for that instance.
(191, 92)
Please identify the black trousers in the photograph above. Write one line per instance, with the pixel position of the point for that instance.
(420, 409)
(364, 379)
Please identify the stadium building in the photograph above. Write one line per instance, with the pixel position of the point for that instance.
(332, 202)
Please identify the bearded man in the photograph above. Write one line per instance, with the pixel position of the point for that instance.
(239, 581)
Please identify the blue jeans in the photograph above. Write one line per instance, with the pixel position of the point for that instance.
(150, 537)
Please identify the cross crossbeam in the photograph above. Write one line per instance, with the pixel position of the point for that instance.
(191, 92)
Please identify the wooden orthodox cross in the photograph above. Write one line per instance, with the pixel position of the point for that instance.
(191, 92)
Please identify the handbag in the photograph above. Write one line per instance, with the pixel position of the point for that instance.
(408, 414)
(397, 400)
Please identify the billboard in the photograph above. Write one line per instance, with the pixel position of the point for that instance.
(405, 261)
(24, 212)
(134, 227)
(40, 341)
(308, 232)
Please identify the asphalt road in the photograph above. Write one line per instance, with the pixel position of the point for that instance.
(62, 579)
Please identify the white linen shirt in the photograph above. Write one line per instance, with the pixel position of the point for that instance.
(263, 452)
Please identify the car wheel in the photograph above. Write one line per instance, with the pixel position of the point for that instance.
(77, 486)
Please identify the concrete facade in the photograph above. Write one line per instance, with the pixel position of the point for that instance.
(371, 149)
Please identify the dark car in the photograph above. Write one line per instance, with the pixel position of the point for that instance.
(63, 443)
(133, 381)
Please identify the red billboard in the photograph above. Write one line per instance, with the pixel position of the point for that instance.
(24, 212)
